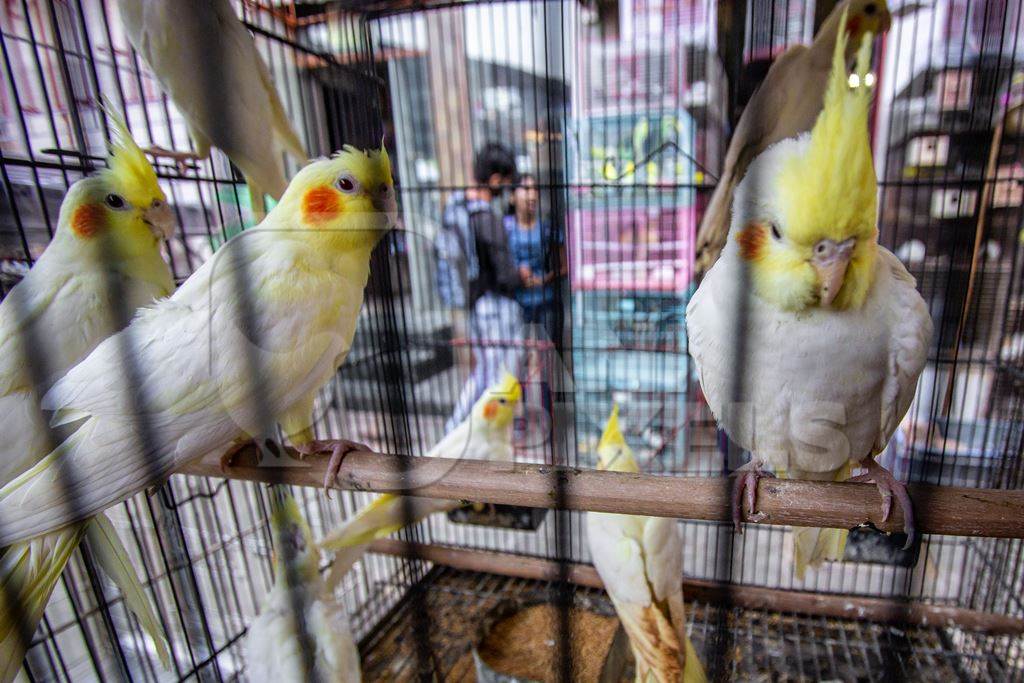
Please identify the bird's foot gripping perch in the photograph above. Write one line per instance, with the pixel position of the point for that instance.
(230, 458)
(338, 448)
(746, 480)
(180, 159)
(889, 486)
(250, 452)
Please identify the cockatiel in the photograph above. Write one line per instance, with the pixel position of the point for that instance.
(248, 339)
(273, 649)
(206, 61)
(103, 263)
(835, 333)
(485, 435)
(640, 561)
(786, 104)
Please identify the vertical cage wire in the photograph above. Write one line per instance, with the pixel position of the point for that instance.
(569, 81)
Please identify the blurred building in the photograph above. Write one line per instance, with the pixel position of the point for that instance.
(951, 74)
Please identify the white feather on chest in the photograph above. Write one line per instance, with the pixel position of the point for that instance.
(816, 384)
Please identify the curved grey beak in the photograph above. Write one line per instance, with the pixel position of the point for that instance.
(829, 262)
(387, 205)
(160, 220)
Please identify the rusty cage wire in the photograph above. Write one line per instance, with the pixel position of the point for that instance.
(621, 111)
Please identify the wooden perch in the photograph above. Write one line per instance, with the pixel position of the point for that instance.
(879, 610)
(940, 509)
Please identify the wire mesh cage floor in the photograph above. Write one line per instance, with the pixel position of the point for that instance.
(766, 645)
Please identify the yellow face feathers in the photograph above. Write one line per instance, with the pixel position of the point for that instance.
(509, 387)
(120, 212)
(372, 167)
(613, 452)
(811, 237)
(497, 406)
(350, 198)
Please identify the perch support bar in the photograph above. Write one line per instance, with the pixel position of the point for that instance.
(879, 610)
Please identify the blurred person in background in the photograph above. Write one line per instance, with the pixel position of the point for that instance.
(533, 244)
(475, 234)
(537, 251)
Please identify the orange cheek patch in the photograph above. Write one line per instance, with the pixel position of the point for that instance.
(490, 410)
(88, 220)
(320, 204)
(751, 240)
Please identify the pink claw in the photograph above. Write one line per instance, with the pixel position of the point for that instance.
(746, 483)
(889, 486)
(338, 448)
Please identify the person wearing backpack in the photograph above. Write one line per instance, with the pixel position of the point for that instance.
(476, 271)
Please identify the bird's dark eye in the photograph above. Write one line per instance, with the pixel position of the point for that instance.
(346, 184)
(115, 201)
(869, 8)
(502, 401)
(775, 232)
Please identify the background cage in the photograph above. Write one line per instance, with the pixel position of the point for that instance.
(622, 111)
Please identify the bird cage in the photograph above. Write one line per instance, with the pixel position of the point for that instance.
(617, 117)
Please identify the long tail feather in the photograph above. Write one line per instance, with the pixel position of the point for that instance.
(113, 557)
(693, 670)
(342, 562)
(813, 546)
(382, 517)
(28, 574)
(653, 640)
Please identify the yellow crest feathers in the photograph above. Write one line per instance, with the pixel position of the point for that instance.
(613, 453)
(372, 165)
(508, 386)
(831, 191)
(128, 165)
(612, 435)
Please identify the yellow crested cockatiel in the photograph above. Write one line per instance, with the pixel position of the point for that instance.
(273, 648)
(250, 337)
(103, 263)
(206, 61)
(835, 333)
(485, 435)
(640, 561)
(786, 104)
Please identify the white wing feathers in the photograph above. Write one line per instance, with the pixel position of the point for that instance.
(639, 560)
(663, 553)
(911, 327)
(206, 60)
(192, 390)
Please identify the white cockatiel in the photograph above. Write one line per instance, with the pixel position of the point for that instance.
(485, 435)
(108, 238)
(273, 648)
(640, 561)
(248, 340)
(207, 62)
(834, 332)
(786, 104)
(103, 263)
